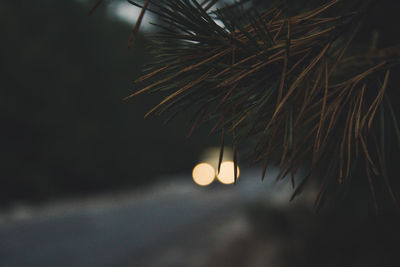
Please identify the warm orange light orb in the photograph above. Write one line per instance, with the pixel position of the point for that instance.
(203, 174)
(226, 173)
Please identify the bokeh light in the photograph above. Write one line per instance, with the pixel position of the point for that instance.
(203, 174)
(226, 174)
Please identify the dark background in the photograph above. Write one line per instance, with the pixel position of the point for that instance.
(65, 129)
(65, 132)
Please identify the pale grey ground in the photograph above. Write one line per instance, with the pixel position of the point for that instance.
(168, 224)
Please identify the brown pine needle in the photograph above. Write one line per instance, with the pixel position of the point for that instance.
(94, 8)
(321, 121)
(368, 157)
(221, 151)
(222, 53)
(295, 84)
(371, 187)
(349, 140)
(151, 74)
(379, 98)
(283, 78)
(138, 23)
(183, 89)
(198, 121)
(358, 118)
(344, 49)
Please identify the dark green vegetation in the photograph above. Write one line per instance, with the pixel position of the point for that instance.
(64, 127)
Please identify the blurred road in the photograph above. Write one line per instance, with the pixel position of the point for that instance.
(115, 229)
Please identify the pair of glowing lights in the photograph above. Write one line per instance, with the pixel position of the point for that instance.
(204, 173)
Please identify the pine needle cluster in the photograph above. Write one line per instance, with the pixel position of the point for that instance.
(288, 81)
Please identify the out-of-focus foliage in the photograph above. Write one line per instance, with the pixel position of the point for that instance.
(64, 126)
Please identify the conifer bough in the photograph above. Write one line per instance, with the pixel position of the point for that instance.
(290, 83)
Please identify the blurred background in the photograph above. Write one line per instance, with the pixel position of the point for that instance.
(86, 181)
(65, 129)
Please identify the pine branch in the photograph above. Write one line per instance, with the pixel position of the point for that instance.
(286, 81)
